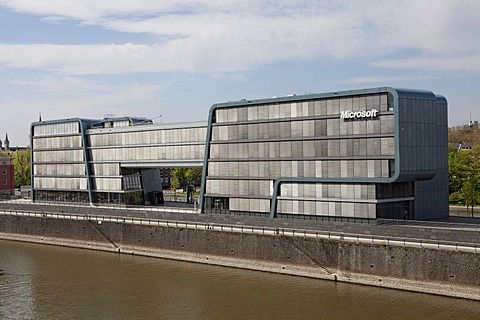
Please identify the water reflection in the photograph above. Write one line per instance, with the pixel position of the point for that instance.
(46, 282)
(16, 284)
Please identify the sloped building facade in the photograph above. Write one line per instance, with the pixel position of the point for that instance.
(363, 154)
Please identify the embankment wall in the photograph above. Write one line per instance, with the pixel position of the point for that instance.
(413, 229)
(451, 273)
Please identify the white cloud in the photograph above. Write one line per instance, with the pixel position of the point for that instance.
(225, 43)
(461, 63)
(56, 84)
(234, 35)
(66, 96)
(420, 40)
(128, 99)
(382, 79)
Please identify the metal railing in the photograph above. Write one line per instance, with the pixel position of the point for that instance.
(379, 222)
(337, 236)
(429, 224)
(104, 206)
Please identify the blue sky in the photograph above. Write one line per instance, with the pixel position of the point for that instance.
(176, 58)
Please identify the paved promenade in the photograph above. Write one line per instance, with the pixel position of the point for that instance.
(461, 231)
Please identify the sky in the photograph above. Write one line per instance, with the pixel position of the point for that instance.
(171, 60)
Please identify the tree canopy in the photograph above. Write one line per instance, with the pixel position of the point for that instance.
(464, 176)
(21, 164)
(190, 174)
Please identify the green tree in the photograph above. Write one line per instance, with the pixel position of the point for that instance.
(193, 174)
(174, 185)
(21, 163)
(471, 136)
(464, 176)
(179, 173)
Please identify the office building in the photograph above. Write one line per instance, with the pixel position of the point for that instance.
(363, 154)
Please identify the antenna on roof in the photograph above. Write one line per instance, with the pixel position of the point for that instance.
(39, 117)
(470, 124)
(160, 116)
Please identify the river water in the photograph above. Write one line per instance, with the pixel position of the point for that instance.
(48, 282)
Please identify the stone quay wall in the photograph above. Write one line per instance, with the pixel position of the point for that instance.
(437, 271)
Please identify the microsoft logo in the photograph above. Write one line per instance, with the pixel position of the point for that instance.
(359, 114)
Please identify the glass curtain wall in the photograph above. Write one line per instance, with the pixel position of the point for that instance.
(253, 145)
(59, 172)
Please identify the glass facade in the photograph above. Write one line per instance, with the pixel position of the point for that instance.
(58, 162)
(253, 145)
(105, 157)
(57, 128)
(365, 154)
(332, 155)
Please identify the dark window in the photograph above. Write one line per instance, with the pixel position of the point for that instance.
(217, 205)
(132, 182)
(391, 168)
(390, 102)
(61, 196)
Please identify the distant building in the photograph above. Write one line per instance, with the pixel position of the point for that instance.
(6, 143)
(462, 145)
(6, 177)
(6, 146)
(472, 124)
(464, 137)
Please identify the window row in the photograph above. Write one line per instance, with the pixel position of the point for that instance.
(240, 187)
(187, 152)
(56, 128)
(59, 169)
(336, 209)
(60, 183)
(107, 184)
(373, 147)
(249, 205)
(319, 107)
(326, 169)
(304, 129)
(132, 182)
(148, 137)
(113, 198)
(61, 196)
(58, 142)
(329, 190)
(106, 169)
(58, 156)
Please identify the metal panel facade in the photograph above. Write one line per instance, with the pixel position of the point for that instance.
(373, 153)
(75, 160)
(347, 144)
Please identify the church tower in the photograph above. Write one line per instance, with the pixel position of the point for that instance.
(6, 142)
